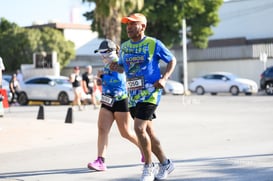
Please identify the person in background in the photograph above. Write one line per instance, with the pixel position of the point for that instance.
(89, 84)
(76, 79)
(140, 59)
(2, 68)
(19, 76)
(114, 105)
(14, 87)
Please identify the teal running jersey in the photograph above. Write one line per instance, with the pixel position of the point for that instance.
(141, 62)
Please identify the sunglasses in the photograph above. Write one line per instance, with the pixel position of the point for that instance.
(107, 51)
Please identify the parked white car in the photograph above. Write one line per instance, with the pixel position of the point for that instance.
(223, 82)
(173, 87)
(46, 89)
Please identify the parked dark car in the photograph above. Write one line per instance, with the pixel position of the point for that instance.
(266, 81)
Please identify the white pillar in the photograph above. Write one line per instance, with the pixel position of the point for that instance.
(263, 58)
(185, 64)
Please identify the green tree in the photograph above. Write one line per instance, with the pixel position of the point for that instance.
(107, 15)
(200, 17)
(5, 25)
(17, 45)
(165, 19)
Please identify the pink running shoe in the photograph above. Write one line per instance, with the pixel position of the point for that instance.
(97, 165)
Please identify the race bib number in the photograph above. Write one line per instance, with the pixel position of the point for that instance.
(135, 83)
(107, 100)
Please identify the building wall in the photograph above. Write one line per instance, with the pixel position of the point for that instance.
(85, 40)
(49, 67)
(245, 18)
(82, 61)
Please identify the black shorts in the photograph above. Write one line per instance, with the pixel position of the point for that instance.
(118, 106)
(144, 111)
(90, 90)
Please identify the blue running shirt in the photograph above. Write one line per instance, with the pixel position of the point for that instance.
(114, 84)
(141, 62)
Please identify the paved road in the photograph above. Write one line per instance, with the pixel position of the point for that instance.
(209, 138)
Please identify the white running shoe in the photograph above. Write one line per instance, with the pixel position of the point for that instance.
(148, 173)
(164, 170)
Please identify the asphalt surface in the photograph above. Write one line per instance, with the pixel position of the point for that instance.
(209, 138)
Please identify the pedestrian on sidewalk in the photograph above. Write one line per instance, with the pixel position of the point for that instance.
(90, 84)
(14, 87)
(76, 79)
(114, 105)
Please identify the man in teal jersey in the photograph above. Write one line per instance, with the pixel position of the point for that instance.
(139, 58)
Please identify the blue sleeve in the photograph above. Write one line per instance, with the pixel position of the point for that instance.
(162, 52)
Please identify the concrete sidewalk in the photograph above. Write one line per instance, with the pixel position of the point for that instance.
(209, 139)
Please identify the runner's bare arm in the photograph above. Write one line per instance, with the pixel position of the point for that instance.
(169, 70)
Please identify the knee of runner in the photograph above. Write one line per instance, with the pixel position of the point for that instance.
(125, 135)
(139, 130)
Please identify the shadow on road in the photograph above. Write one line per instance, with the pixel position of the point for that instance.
(239, 168)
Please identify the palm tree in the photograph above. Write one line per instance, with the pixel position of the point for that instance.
(106, 17)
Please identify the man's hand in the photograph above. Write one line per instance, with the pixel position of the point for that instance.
(114, 66)
(160, 84)
(100, 73)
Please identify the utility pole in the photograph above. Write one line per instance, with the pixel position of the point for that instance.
(263, 58)
(184, 49)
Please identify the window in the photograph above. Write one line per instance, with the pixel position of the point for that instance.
(38, 81)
